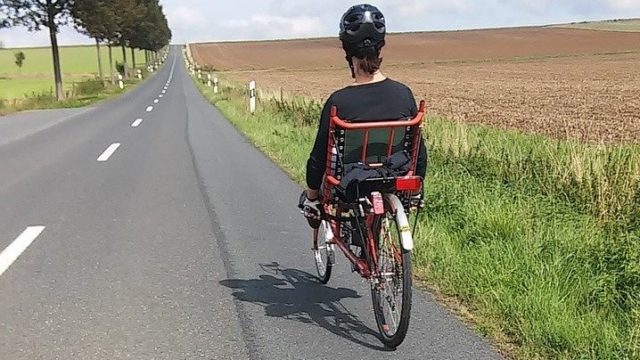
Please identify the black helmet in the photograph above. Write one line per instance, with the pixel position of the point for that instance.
(362, 28)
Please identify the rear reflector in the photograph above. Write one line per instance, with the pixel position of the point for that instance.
(378, 203)
(409, 183)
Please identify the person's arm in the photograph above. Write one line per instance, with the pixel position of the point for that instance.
(318, 157)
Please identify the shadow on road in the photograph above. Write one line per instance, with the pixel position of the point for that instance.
(296, 295)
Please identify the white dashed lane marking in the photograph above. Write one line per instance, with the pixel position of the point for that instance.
(155, 101)
(18, 246)
(149, 108)
(136, 123)
(107, 153)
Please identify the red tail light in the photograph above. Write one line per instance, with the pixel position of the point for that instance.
(409, 183)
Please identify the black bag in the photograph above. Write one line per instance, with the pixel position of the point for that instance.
(357, 173)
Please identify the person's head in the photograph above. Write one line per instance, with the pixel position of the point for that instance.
(362, 32)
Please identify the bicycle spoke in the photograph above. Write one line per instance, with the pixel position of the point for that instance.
(323, 254)
(389, 292)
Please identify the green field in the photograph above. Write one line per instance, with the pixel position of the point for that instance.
(537, 240)
(630, 25)
(36, 75)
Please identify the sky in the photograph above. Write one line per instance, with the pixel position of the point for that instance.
(217, 20)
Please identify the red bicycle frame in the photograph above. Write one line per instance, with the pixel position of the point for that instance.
(405, 183)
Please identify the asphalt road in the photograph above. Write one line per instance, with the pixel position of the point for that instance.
(183, 242)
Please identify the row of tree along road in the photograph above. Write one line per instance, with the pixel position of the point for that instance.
(139, 24)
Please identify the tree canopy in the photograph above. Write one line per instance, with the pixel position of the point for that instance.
(139, 24)
(35, 14)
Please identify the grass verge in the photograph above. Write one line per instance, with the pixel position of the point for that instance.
(84, 93)
(537, 239)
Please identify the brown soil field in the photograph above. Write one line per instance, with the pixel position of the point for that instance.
(565, 83)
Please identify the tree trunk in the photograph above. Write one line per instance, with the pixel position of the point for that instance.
(133, 58)
(113, 80)
(57, 74)
(99, 60)
(146, 56)
(124, 54)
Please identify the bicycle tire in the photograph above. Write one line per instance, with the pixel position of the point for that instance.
(323, 256)
(402, 274)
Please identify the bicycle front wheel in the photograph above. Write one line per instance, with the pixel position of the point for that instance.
(391, 292)
(323, 252)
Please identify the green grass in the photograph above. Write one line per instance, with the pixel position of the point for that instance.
(84, 93)
(538, 239)
(627, 25)
(19, 88)
(78, 63)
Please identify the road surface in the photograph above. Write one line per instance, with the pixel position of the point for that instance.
(147, 227)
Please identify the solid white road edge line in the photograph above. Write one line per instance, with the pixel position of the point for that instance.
(18, 246)
(136, 123)
(107, 153)
(149, 108)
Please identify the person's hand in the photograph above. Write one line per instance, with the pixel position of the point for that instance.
(310, 209)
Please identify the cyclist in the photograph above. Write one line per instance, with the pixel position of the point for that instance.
(370, 97)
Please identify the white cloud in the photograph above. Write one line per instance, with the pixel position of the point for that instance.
(186, 16)
(185, 20)
(630, 5)
(20, 37)
(206, 20)
(420, 8)
(275, 26)
(531, 6)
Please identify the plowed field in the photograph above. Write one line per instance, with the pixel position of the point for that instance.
(565, 83)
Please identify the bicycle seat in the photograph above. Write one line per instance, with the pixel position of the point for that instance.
(382, 153)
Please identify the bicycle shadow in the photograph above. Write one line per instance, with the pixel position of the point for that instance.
(297, 295)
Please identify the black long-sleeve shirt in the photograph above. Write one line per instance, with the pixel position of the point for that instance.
(384, 100)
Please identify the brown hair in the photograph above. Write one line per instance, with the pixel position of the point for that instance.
(370, 64)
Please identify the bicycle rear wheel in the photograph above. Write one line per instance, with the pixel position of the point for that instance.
(323, 252)
(391, 293)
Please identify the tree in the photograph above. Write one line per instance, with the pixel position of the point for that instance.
(141, 24)
(110, 27)
(100, 19)
(91, 17)
(20, 58)
(145, 25)
(38, 14)
(127, 14)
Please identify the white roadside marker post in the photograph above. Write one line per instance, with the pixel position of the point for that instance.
(215, 85)
(209, 80)
(120, 82)
(139, 74)
(252, 96)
